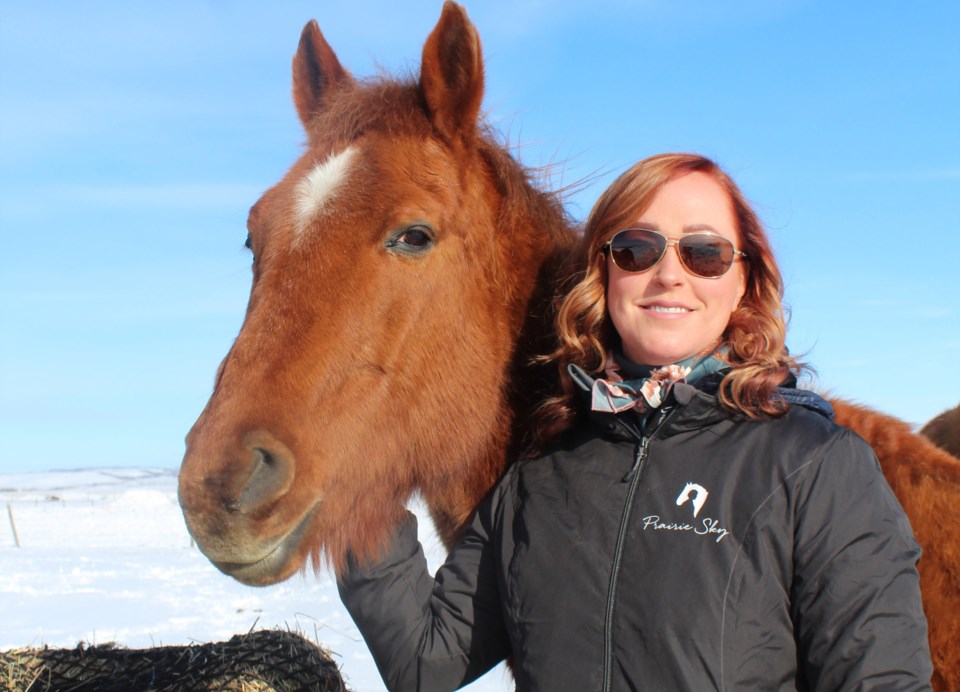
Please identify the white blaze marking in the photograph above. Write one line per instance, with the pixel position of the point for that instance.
(319, 185)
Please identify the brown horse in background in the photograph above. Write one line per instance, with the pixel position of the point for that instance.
(403, 276)
(944, 431)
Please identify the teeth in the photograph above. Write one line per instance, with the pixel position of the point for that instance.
(663, 308)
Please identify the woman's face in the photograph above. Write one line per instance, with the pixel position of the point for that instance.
(666, 314)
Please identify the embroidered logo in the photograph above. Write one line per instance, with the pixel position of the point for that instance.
(698, 499)
(696, 495)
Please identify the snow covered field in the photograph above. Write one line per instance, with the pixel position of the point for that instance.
(104, 556)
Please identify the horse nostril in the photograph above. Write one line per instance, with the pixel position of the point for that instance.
(265, 457)
(271, 475)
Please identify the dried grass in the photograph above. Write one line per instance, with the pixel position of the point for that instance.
(267, 660)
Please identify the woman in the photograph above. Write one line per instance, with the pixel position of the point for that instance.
(692, 522)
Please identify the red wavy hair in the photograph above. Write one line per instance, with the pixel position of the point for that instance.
(754, 336)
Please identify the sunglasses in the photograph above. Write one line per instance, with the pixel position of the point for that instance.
(702, 253)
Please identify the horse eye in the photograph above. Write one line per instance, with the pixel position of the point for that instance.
(415, 237)
(414, 240)
(248, 243)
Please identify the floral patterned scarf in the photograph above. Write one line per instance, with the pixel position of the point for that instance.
(614, 394)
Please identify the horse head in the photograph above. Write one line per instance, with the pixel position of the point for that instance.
(394, 295)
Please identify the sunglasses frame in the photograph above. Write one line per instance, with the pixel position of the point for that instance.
(608, 246)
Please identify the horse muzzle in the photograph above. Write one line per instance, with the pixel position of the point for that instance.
(238, 506)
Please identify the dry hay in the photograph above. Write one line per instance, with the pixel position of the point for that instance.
(272, 660)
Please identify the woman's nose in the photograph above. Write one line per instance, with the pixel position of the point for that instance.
(669, 270)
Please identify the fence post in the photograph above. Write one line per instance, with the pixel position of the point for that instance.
(13, 524)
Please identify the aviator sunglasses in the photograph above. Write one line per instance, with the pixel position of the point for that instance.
(703, 254)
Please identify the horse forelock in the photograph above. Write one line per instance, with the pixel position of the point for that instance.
(380, 104)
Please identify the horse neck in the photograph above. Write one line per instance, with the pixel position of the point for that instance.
(535, 238)
(530, 382)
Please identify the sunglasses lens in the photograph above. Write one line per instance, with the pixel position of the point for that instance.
(708, 256)
(637, 250)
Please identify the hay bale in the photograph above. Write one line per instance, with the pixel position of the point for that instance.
(272, 660)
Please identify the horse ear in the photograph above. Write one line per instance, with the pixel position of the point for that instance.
(316, 72)
(451, 74)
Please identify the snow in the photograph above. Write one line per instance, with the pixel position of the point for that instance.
(104, 556)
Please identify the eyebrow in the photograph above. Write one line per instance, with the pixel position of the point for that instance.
(692, 228)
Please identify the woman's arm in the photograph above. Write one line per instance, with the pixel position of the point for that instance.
(428, 634)
(856, 594)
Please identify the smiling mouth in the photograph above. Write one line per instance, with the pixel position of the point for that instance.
(676, 309)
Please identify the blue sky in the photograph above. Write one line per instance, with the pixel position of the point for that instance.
(135, 136)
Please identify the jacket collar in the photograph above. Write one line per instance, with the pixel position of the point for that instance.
(687, 407)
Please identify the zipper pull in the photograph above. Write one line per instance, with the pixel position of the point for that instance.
(637, 460)
(648, 425)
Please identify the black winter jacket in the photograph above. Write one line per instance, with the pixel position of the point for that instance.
(704, 552)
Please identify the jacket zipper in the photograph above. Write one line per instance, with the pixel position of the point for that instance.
(633, 477)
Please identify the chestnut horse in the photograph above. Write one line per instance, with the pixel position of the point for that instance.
(944, 431)
(403, 272)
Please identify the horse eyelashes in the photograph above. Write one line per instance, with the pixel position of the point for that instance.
(413, 240)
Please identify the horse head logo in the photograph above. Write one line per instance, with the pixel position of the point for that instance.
(699, 498)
